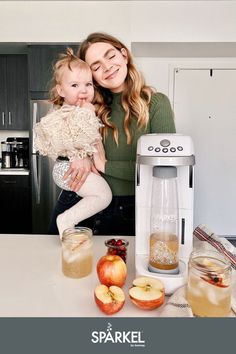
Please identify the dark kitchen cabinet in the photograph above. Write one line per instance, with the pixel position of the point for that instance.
(41, 59)
(15, 204)
(14, 92)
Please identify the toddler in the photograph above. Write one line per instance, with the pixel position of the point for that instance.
(70, 131)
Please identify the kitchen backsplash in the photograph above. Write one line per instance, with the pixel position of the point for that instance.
(18, 133)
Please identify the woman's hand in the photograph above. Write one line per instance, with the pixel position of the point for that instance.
(78, 171)
(99, 157)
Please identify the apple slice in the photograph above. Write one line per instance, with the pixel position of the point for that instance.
(147, 293)
(216, 281)
(109, 299)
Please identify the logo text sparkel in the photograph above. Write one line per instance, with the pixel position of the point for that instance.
(133, 337)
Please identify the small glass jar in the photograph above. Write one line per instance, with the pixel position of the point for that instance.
(209, 284)
(77, 253)
(117, 246)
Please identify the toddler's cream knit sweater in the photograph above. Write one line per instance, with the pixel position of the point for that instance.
(68, 131)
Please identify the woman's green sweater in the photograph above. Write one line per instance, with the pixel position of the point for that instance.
(120, 165)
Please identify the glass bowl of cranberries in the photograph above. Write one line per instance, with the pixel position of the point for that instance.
(117, 246)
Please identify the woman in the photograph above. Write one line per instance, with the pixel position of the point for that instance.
(128, 109)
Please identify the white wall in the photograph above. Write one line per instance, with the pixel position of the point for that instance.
(184, 21)
(155, 72)
(59, 21)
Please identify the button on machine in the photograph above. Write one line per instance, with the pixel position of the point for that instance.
(165, 142)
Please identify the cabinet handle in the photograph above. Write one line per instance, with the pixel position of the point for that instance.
(3, 118)
(9, 118)
(6, 181)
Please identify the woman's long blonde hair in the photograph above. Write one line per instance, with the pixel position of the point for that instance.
(67, 59)
(135, 98)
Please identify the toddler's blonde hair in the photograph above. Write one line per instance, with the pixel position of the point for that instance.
(68, 60)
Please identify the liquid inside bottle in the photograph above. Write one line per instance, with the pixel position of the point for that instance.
(164, 249)
(164, 238)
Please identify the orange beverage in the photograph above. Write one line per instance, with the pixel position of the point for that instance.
(164, 248)
(77, 252)
(209, 284)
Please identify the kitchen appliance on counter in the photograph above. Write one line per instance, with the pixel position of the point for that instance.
(155, 151)
(44, 190)
(15, 153)
(7, 155)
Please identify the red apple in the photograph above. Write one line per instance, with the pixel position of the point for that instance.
(109, 300)
(147, 293)
(112, 270)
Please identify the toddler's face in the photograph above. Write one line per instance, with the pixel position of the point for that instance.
(76, 86)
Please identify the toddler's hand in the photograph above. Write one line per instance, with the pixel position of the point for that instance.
(88, 105)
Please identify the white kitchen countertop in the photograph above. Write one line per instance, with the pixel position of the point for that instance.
(33, 285)
(14, 171)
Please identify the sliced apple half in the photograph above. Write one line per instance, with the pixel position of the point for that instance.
(147, 293)
(109, 299)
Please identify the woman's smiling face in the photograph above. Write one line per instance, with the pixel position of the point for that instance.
(108, 65)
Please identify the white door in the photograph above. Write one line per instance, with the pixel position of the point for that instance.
(205, 108)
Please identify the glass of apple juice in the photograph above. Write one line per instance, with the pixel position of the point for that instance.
(77, 253)
(209, 284)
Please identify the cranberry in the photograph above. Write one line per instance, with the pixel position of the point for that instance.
(112, 242)
(117, 247)
(122, 248)
(119, 242)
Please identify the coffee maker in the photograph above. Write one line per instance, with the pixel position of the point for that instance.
(15, 153)
(154, 150)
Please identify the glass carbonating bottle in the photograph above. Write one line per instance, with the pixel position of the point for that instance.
(164, 227)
